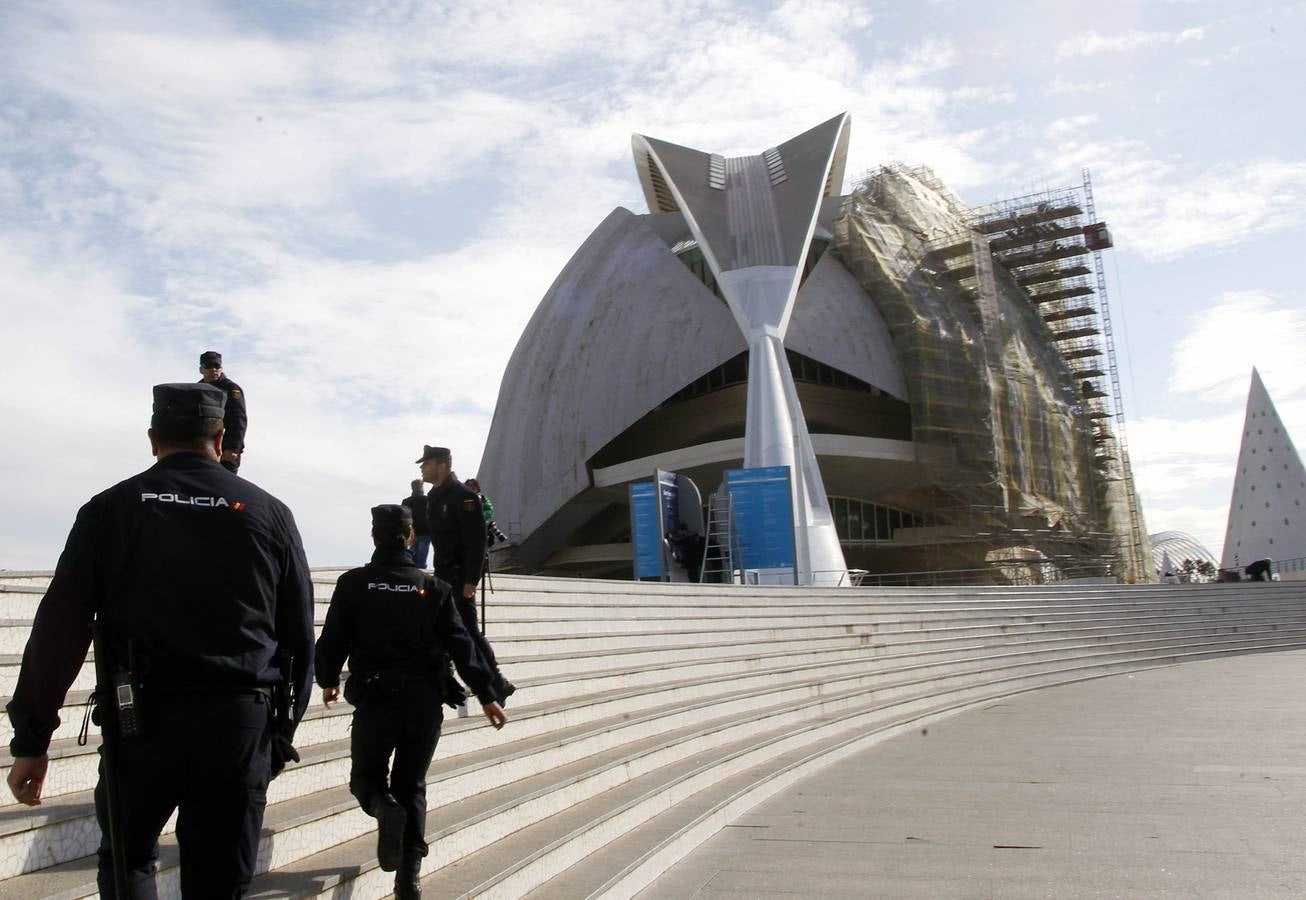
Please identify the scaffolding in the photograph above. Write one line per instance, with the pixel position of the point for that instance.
(1140, 551)
(1052, 242)
(1000, 318)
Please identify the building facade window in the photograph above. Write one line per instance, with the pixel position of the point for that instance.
(689, 253)
(696, 263)
(862, 522)
(735, 371)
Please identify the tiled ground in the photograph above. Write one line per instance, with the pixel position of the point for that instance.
(1188, 781)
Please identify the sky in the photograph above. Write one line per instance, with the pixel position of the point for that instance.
(361, 203)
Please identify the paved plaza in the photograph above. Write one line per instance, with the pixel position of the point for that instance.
(1185, 781)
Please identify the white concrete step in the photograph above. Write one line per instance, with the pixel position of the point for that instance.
(62, 834)
(526, 669)
(533, 855)
(630, 668)
(546, 587)
(671, 599)
(77, 767)
(650, 688)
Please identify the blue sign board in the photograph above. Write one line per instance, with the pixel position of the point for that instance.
(762, 503)
(646, 529)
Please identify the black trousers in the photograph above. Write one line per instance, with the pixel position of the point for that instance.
(467, 612)
(209, 758)
(403, 718)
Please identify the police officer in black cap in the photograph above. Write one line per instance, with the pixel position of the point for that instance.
(457, 524)
(399, 629)
(234, 420)
(200, 593)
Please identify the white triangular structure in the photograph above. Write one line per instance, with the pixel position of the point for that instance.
(753, 218)
(1168, 573)
(1267, 513)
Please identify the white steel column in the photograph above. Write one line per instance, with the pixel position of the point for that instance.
(775, 430)
(753, 218)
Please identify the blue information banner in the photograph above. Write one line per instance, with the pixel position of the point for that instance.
(646, 529)
(763, 507)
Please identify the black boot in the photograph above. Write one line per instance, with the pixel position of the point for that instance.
(390, 820)
(408, 879)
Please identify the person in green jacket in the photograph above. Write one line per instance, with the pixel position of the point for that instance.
(493, 534)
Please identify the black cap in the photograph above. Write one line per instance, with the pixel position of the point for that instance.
(210, 359)
(391, 517)
(441, 454)
(189, 401)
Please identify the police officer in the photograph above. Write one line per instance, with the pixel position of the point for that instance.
(198, 585)
(453, 514)
(398, 628)
(234, 420)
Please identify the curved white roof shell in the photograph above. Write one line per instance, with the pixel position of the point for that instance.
(1180, 546)
(835, 322)
(625, 326)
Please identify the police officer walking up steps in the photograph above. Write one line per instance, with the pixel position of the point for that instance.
(195, 586)
(457, 524)
(398, 628)
(234, 419)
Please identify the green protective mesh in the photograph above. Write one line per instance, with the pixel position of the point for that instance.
(999, 419)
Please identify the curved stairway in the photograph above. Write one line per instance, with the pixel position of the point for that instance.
(647, 717)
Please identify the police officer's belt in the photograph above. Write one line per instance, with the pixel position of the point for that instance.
(172, 687)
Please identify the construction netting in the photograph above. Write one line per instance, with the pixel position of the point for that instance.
(1001, 419)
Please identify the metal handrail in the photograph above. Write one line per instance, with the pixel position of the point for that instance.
(1295, 564)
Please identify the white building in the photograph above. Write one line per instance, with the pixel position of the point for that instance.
(757, 316)
(1267, 518)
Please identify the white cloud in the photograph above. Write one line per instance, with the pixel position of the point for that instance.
(189, 159)
(183, 178)
(1184, 462)
(1183, 471)
(1090, 43)
(1206, 523)
(71, 430)
(192, 179)
(1213, 361)
(986, 94)
(1071, 125)
(1166, 207)
(1060, 86)
(1224, 206)
(336, 419)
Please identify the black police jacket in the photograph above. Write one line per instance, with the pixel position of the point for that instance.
(391, 618)
(416, 504)
(453, 513)
(235, 420)
(199, 579)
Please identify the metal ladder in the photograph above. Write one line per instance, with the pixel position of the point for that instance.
(721, 535)
(1136, 560)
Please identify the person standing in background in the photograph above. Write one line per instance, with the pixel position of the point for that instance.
(416, 503)
(235, 419)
